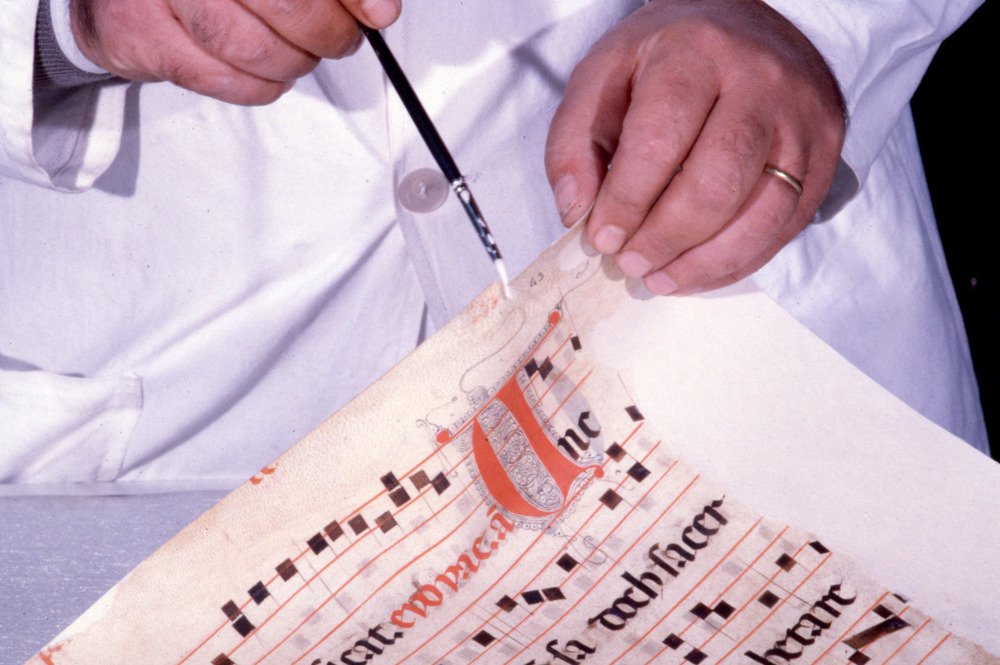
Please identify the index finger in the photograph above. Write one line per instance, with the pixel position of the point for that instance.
(719, 173)
(670, 100)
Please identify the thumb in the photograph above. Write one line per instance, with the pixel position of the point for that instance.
(575, 167)
(583, 136)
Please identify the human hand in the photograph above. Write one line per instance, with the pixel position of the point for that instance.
(666, 128)
(239, 51)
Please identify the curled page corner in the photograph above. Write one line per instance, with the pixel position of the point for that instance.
(516, 491)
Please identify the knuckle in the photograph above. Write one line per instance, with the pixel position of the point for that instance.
(627, 202)
(179, 71)
(716, 191)
(207, 27)
(656, 150)
(663, 242)
(772, 73)
(247, 46)
(745, 138)
(249, 51)
(342, 41)
(291, 11)
(708, 35)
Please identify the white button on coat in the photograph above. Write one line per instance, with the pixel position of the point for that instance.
(423, 190)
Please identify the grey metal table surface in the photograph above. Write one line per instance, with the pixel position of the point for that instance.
(59, 554)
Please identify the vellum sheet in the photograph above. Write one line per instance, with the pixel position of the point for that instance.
(503, 496)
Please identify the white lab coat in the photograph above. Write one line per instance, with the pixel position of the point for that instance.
(224, 278)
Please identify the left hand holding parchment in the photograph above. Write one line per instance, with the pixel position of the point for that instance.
(667, 126)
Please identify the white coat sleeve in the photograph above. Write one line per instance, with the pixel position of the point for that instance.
(878, 51)
(58, 139)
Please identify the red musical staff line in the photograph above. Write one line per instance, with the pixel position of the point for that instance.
(382, 586)
(553, 384)
(755, 594)
(870, 644)
(407, 565)
(850, 628)
(356, 511)
(554, 324)
(717, 598)
(614, 563)
(513, 566)
(907, 641)
(349, 580)
(427, 551)
(570, 575)
(943, 640)
(378, 495)
(778, 606)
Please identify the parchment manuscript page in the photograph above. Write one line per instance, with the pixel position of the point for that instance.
(500, 497)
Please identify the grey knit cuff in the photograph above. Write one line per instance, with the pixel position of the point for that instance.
(52, 67)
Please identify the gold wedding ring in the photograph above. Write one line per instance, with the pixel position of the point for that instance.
(795, 183)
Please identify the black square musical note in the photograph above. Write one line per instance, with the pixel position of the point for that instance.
(243, 626)
(616, 452)
(440, 483)
(785, 562)
(222, 659)
(575, 341)
(768, 599)
(553, 593)
(317, 543)
(818, 546)
(399, 496)
(483, 638)
(695, 656)
(724, 609)
(231, 610)
(634, 413)
(567, 562)
(611, 499)
(673, 641)
(531, 367)
(358, 524)
(532, 597)
(389, 481)
(639, 472)
(286, 569)
(385, 521)
(333, 531)
(858, 658)
(545, 369)
(701, 610)
(507, 604)
(258, 592)
(420, 480)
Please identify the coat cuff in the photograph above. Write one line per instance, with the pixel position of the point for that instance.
(878, 52)
(58, 61)
(57, 137)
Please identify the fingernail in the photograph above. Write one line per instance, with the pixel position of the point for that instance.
(633, 264)
(609, 239)
(660, 283)
(381, 13)
(566, 193)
